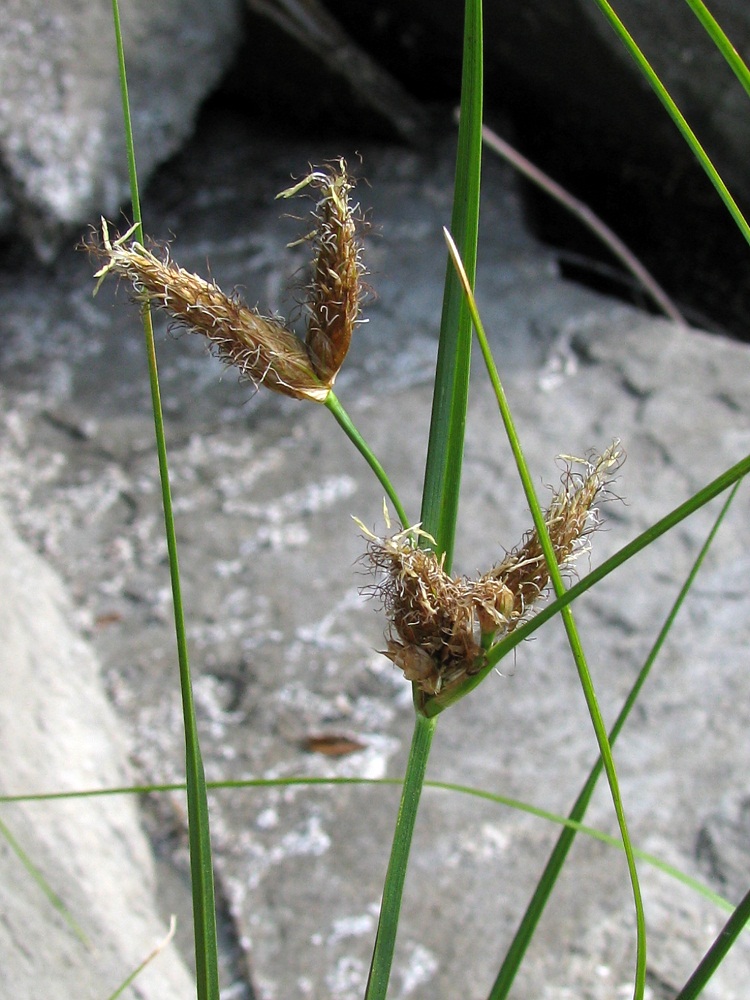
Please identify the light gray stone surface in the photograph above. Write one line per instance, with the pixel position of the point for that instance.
(60, 733)
(61, 135)
(284, 646)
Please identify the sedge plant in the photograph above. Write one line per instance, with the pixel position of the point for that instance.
(445, 633)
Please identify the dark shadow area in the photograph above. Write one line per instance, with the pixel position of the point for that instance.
(641, 178)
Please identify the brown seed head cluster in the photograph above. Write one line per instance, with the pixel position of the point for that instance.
(263, 349)
(438, 622)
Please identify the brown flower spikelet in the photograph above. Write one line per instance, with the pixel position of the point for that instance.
(334, 293)
(263, 349)
(437, 621)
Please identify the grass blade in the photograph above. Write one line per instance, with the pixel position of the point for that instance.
(201, 868)
(445, 449)
(446, 786)
(522, 938)
(52, 897)
(717, 952)
(720, 40)
(443, 465)
(385, 941)
(676, 115)
(571, 629)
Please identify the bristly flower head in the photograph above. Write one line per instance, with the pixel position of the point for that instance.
(334, 293)
(263, 349)
(439, 625)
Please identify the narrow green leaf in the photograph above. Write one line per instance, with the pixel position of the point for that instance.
(201, 869)
(127, 120)
(721, 41)
(527, 927)
(717, 952)
(446, 786)
(385, 941)
(52, 897)
(676, 115)
(446, 442)
(571, 629)
(443, 465)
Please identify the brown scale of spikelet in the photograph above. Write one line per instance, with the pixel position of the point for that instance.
(437, 622)
(263, 349)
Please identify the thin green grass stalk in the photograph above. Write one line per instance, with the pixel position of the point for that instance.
(442, 482)
(676, 115)
(345, 422)
(382, 959)
(524, 934)
(722, 43)
(737, 922)
(442, 479)
(127, 120)
(201, 867)
(52, 897)
(717, 952)
(571, 630)
(446, 786)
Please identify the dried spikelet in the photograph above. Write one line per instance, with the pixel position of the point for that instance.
(430, 612)
(262, 349)
(437, 621)
(570, 519)
(334, 293)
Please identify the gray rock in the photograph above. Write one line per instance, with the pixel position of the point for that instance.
(284, 645)
(61, 135)
(60, 734)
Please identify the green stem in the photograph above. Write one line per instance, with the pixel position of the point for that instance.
(716, 954)
(385, 941)
(201, 868)
(676, 115)
(345, 422)
(127, 120)
(543, 891)
(566, 613)
(442, 479)
(721, 41)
